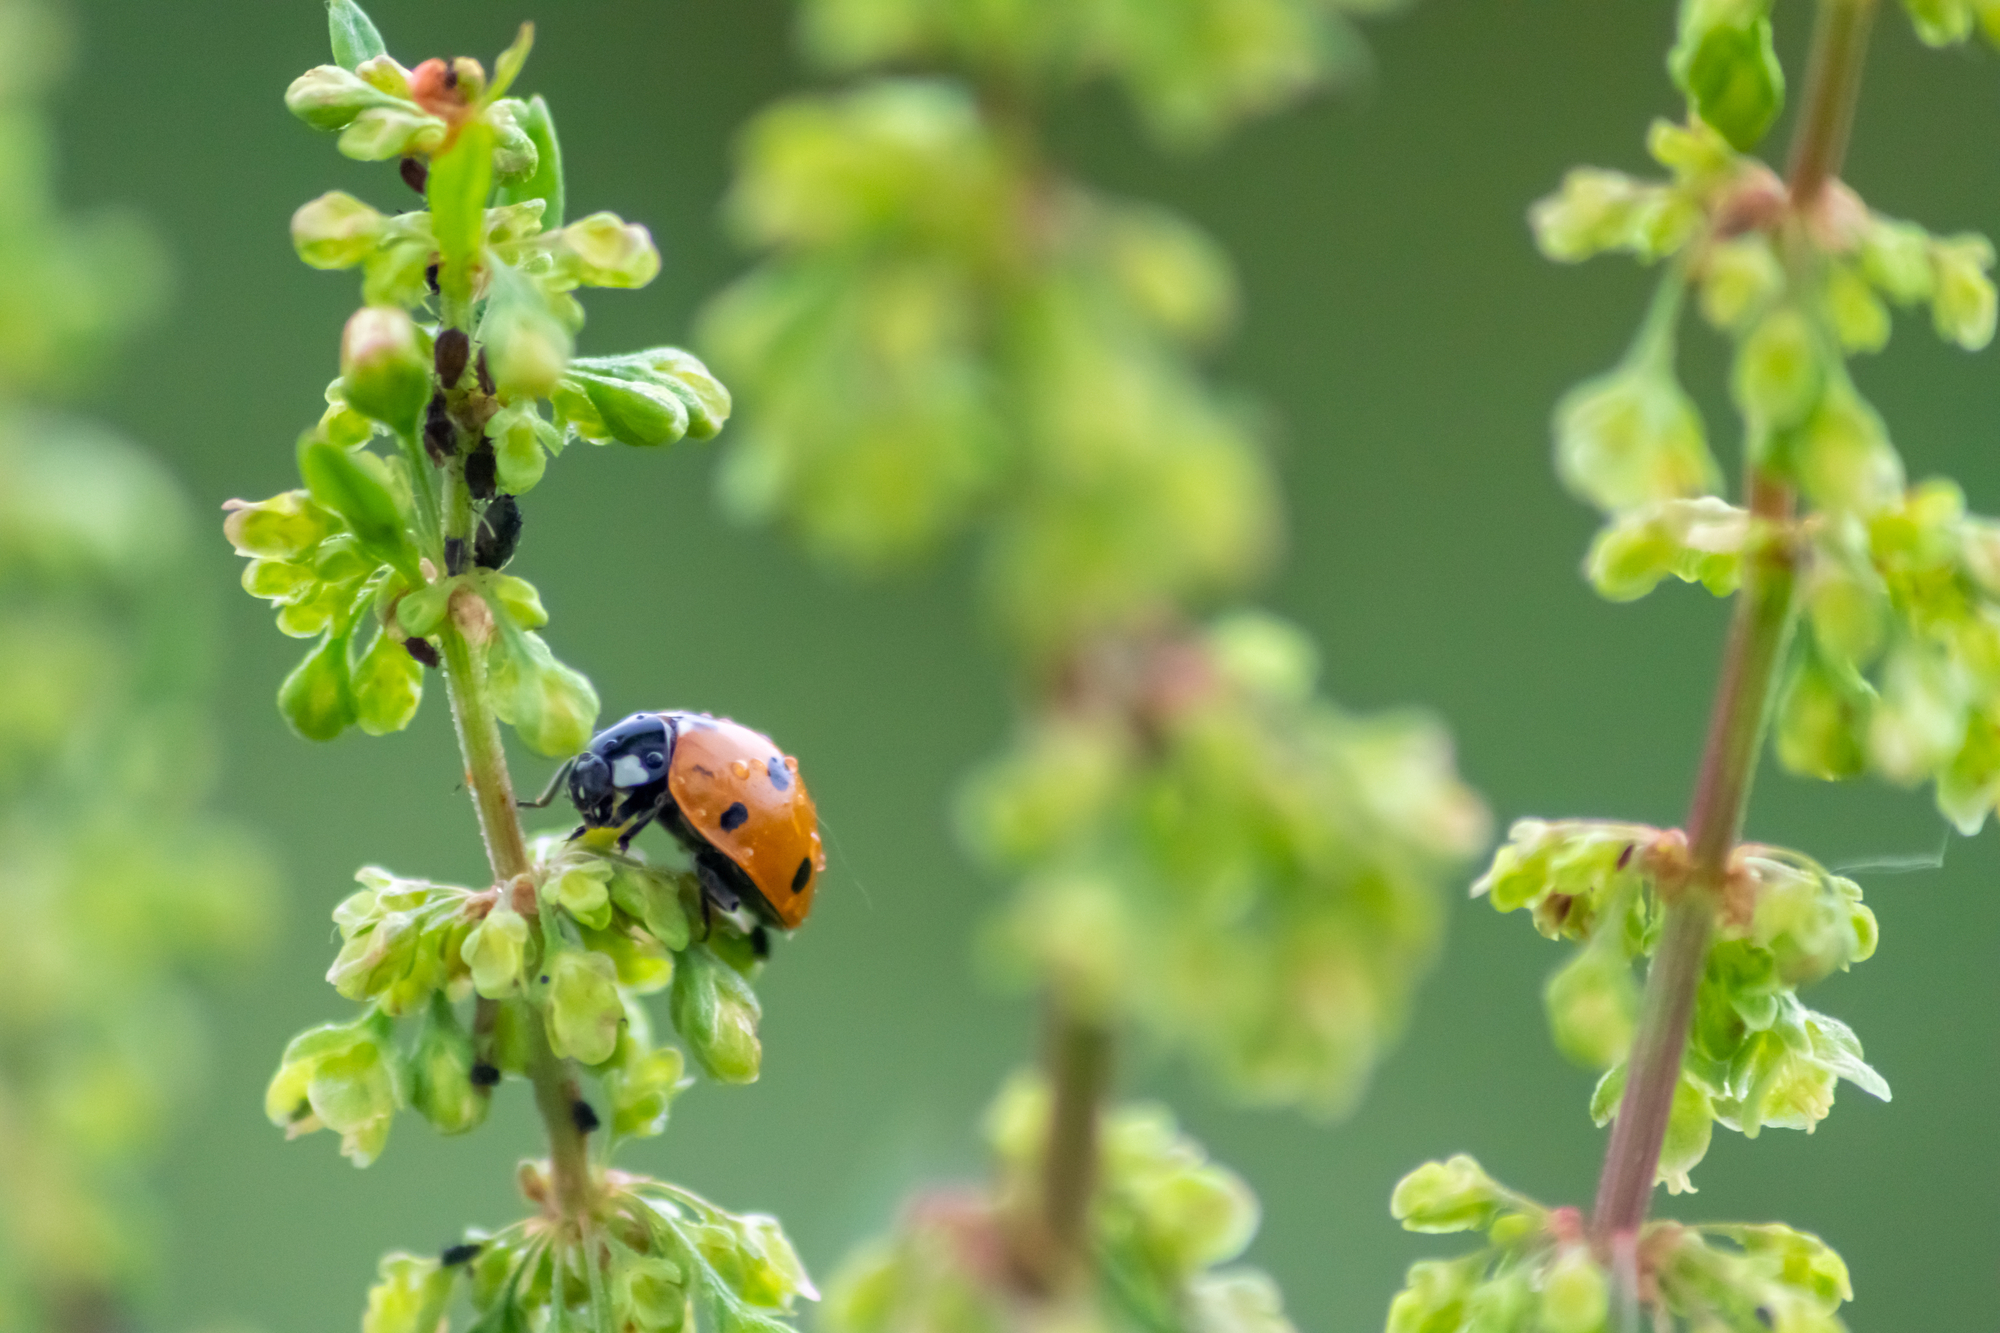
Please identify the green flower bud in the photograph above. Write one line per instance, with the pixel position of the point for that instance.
(395, 129)
(421, 610)
(1739, 279)
(1598, 210)
(583, 1008)
(1779, 371)
(335, 231)
(514, 156)
(522, 441)
(328, 97)
(650, 1295)
(654, 902)
(353, 1093)
(1844, 459)
(581, 890)
(496, 951)
(1896, 257)
(441, 1087)
(1940, 22)
(1726, 64)
(316, 698)
(603, 250)
(1631, 437)
(1690, 1123)
(1500, 1305)
(409, 1296)
(1962, 304)
(545, 185)
(1593, 1007)
(519, 601)
(388, 685)
(385, 368)
(716, 1013)
(1195, 1217)
(551, 707)
(646, 398)
(375, 956)
(527, 346)
(1848, 608)
(1575, 1296)
(361, 489)
(1859, 318)
(1453, 1195)
(1265, 655)
(1433, 1297)
(1823, 719)
(1697, 541)
(1919, 721)
(284, 527)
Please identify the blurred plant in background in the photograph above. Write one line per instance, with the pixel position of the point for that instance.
(949, 335)
(122, 895)
(1867, 624)
(393, 563)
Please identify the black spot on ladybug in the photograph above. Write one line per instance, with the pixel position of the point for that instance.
(422, 650)
(780, 777)
(415, 173)
(704, 770)
(485, 376)
(454, 555)
(440, 435)
(802, 875)
(453, 350)
(485, 1075)
(498, 535)
(583, 1115)
(458, 1254)
(482, 470)
(760, 942)
(734, 817)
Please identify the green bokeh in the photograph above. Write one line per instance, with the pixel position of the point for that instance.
(1411, 344)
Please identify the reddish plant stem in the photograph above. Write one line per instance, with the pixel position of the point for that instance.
(1052, 1244)
(1833, 86)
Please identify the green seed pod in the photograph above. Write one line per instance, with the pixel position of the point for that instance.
(550, 706)
(527, 346)
(1859, 318)
(335, 231)
(1500, 1305)
(1593, 1007)
(716, 1013)
(514, 155)
(1690, 1124)
(1576, 1298)
(1940, 22)
(354, 1094)
(385, 366)
(1433, 1297)
(1843, 458)
(409, 1296)
(328, 97)
(634, 412)
(1195, 1217)
(284, 527)
(420, 611)
(582, 1006)
(1896, 257)
(546, 183)
(1453, 1195)
(394, 130)
(441, 1087)
(651, 1295)
(316, 698)
(1779, 370)
(1631, 437)
(388, 686)
(1726, 64)
(643, 1090)
(496, 951)
(1962, 304)
(522, 442)
(1739, 279)
(581, 891)
(1823, 720)
(654, 902)
(604, 250)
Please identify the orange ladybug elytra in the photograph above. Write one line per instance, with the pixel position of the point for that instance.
(726, 793)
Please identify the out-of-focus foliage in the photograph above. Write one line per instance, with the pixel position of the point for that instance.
(1165, 1223)
(1756, 1056)
(121, 895)
(949, 335)
(1538, 1273)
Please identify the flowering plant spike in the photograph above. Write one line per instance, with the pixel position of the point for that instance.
(1206, 853)
(458, 384)
(1862, 641)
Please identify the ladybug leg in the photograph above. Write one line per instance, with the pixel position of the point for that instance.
(548, 795)
(714, 889)
(639, 818)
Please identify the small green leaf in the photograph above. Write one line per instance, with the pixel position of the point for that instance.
(460, 180)
(1726, 64)
(359, 493)
(355, 38)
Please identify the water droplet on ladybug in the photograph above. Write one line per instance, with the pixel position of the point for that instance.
(740, 769)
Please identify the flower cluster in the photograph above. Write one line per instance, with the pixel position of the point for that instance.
(570, 952)
(1756, 1055)
(1165, 1221)
(654, 1258)
(1538, 1273)
(1243, 867)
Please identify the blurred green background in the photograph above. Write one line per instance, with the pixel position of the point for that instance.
(1410, 343)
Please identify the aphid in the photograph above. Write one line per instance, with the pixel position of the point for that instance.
(726, 793)
(459, 1254)
(416, 173)
(440, 433)
(482, 470)
(499, 533)
(583, 1115)
(451, 353)
(423, 650)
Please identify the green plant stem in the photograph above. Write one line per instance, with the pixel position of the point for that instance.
(1057, 1253)
(1758, 635)
(492, 790)
(1833, 85)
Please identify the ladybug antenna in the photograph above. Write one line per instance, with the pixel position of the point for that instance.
(548, 795)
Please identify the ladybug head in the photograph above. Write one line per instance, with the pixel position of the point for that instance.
(590, 788)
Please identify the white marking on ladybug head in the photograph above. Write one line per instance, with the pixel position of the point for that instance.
(628, 771)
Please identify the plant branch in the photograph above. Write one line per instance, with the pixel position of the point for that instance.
(1833, 85)
(1758, 635)
(1054, 1249)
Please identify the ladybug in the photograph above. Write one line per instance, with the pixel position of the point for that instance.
(726, 793)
